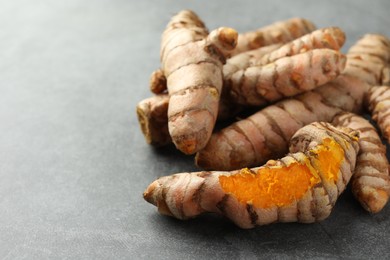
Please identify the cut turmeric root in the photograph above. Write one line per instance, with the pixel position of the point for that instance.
(192, 65)
(264, 135)
(301, 187)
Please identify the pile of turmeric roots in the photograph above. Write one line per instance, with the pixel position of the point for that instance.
(308, 97)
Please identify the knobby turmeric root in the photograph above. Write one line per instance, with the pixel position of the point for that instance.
(301, 187)
(378, 101)
(288, 76)
(183, 28)
(264, 135)
(247, 59)
(151, 122)
(193, 69)
(153, 119)
(371, 180)
(158, 82)
(369, 60)
(327, 38)
(279, 32)
(152, 116)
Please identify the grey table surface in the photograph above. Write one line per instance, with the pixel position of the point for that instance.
(73, 161)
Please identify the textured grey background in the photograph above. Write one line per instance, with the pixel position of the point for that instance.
(74, 164)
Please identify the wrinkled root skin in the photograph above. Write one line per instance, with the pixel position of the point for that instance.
(186, 195)
(371, 180)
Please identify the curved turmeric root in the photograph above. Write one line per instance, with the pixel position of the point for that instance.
(371, 180)
(265, 134)
(288, 76)
(247, 59)
(193, 69)
(369, 60)
(301, 187)
(279, 32)
(158, 82)
(378, 102)
(327, 38)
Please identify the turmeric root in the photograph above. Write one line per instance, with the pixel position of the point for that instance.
(193, 70)
(264, 135)
(246, 59)
(152, 115)
(331, 38)
(183, 28)
(326, 38)
(153, 119)
(371, 180)
(288, 76)
(151, 122)
(158, 82)
(279, 32)
(378, 102)
(301, 187)
(369, 60)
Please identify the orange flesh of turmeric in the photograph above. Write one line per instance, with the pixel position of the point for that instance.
(282, 185)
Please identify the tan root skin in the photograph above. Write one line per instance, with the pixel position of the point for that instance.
(153, 120)
(301, 187)
(152, 115)
(264, 134)
(247, 59)
(331, 38)
(369, 60)
(371, 180)
(286, 77)
(279, 32)
(192, 67)
(378, 100)
(158, 82)
(328, 38)
(193, 70)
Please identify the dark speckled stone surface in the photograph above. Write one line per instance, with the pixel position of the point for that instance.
(74, 164)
